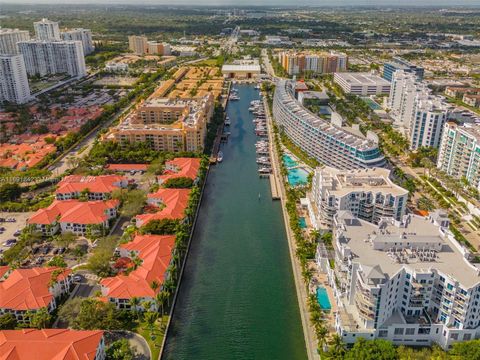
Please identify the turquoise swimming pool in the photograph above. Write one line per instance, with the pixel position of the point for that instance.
(296, 176)
(371, 103)
(322, 298)
(302, 223)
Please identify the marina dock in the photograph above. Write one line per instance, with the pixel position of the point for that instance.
(274, 186)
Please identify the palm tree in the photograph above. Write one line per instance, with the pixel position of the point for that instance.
(337, 347)
(322, 333)
(150, 318)
(154, 285)
(134, 302)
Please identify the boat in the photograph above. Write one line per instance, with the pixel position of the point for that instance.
(257, 87)
(220, 156)
(264, 170)
(227, 122)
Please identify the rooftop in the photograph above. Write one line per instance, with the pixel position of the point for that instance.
(94, 184)
(342, 182)
(363, 79)
(155, 251)
(28, 289)
(49, 344)
(175, 202)
(181, 167)
(417, 243)
(74, 211)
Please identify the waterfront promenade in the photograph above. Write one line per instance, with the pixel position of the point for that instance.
(237, 296)
(301, 291)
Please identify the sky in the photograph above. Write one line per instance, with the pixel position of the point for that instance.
(261, 2)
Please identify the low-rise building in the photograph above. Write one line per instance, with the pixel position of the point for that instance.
(408, 281)
(29, 290)
(369, 194)
(49, 344)
(241, 71)
(472, 100)
(112, 66)
(79, 217)
(145, 282)
(460, 91)
(363, 84)
(94, 187)
(180, 167)
(173, 203)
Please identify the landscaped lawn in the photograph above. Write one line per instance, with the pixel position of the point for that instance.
(154, 338)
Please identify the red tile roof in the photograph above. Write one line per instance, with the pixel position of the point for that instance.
(74, 211)
(186, 167)
(28, 289)
(175, 201)
(95, 184)
(49, 344)
(155, 251)
(127, 167)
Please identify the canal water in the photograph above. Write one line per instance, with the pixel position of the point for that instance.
(237, 299)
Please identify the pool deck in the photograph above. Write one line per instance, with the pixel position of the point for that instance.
(321, 279)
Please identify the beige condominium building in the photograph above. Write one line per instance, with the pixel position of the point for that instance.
(173, 125)
(138, 44)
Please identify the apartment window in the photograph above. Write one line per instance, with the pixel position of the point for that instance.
(383, 333)
(467, 337)
(454, 336)
(398, 331)
(410, 331)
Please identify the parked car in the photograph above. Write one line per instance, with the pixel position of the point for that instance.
(77, 278)
(10, 242)
(2, 228)
(17, 233)
(61, 250)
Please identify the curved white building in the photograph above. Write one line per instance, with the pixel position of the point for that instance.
(331, 145)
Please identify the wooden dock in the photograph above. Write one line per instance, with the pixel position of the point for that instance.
(274, 186)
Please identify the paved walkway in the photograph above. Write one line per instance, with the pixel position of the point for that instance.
(308, 331)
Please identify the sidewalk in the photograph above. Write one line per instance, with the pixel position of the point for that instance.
(308, 331)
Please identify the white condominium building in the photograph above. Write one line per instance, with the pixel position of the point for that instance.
(53, 57)
(9, 39)
(368, 193)
(430, 114)
(408, 282)
(83, 35)
(46, 30)
(414, 108)
(13, 80)
(405, 87)
(459, 154)
(362, 84)
(332, 145)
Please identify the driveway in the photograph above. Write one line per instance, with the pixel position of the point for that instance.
(136, 341)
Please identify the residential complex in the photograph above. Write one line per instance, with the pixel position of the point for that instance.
(79, 34)
(362, 83)
(138, 44)
(179, 168)
(459, 154)
(53, 57)
(389, 68)
(29, 290)
(78, 217)
(166, 204)
(9, 39)
(414, 108)
(369, 194)
(94, 187)
(158, 48)
(168, 124)
(155, 253)
(14, 86)
(47, 30)
(299, 62)
(408, 281)
(320, 138)
(48, 344)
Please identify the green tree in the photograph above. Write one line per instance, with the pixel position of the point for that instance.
(132, 201)
(372, 350)
(160, 227)
(8, 322)
(40, 319)
(96, 314)
(10, 192)
(68, 312)
(120, 350)
(179, 183)
(466, 350)
(57, 260)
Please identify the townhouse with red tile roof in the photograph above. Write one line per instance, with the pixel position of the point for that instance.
(155, 254)
(75, 216)
(172, 202)
(52, 344)
(98, 187)
(25, 155)
(27, 290)
(180, 167)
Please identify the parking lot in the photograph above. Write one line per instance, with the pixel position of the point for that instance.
(11, 227)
